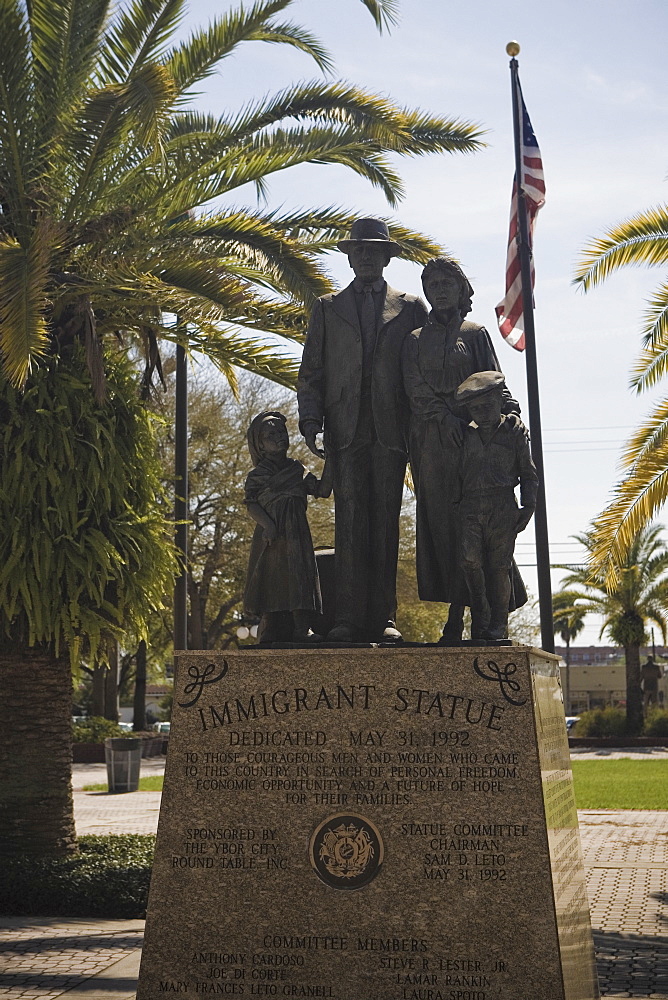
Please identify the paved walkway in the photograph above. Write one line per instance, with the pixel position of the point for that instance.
(626, 858)
(99, 812)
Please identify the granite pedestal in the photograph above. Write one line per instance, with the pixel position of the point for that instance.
(368, 824)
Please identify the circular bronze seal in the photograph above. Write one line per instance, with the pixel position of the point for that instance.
(346, 851)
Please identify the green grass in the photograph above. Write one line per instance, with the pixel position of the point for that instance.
(621, 784)
(150, 784)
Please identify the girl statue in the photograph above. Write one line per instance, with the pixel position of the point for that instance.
(282, 581)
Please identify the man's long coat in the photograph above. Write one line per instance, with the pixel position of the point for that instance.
(330, 377)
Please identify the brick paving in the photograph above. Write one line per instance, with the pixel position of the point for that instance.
(45, 958)
(99, 812)
(626, 860)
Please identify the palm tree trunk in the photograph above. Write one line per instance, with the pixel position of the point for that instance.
(568, 675)
(36, 810)
(634, 713)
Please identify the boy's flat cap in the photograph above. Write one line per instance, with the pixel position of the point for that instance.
(478, 384)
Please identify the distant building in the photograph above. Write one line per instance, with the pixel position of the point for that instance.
(598, 676)
(154, 695)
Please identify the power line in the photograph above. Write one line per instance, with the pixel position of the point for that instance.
(606, 427)
(577, 451)
(592, 441)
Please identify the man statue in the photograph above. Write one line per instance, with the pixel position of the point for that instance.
(650, 675)
(350, 386)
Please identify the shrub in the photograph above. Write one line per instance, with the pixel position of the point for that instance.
(109, 877)
(601, 722)
(95, 730)
(656, 723)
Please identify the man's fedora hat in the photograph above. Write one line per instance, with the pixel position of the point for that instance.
(369, 231)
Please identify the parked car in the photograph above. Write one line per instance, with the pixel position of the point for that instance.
(126, 726)
(162, 727)
(571, 720)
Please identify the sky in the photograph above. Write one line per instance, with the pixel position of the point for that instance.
(593, 74)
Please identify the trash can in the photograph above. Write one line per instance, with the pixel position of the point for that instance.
(123, 757)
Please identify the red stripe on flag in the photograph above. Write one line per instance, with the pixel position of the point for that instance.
(533, 162)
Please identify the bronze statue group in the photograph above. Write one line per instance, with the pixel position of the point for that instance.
(386, 381)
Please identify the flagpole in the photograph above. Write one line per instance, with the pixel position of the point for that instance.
(524, 251)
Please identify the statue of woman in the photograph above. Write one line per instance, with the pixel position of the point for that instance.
(435, 361)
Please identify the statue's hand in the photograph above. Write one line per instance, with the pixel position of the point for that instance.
(453, 430)
(311, 432)
(524, 515)
(270, 533)
(515, 421)
(324, 490)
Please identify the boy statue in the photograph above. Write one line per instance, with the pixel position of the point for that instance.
(495, 457)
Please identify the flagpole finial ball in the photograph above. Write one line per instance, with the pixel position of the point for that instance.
(513, 49)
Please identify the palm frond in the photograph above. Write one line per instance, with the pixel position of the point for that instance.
(655, 324)
(629, 589)
(140, 107)
(652, 363)
(148, 100)
(384, 12)
(16, 108)
(648, 438)
(140, 33)
(23, 298)
(321, 229)
(401, 129)
(431, 134)
(280, 150)
(66, 37)
(198, 57)
(193, 124)
(214, 329)
(650, 367)
(225, 347)
(282, 319)
(131, 300)
(286, 33)
(658, 616)
(636, 500)
(641, 240)
(280, 262)
(211, 157)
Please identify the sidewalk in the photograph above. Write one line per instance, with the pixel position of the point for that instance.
(99, 812)
(626, 859)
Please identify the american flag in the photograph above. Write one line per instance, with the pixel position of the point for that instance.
(510, 312)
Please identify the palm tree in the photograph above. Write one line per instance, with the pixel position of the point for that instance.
(637, 498)
(568, 623)
(102, 166)
(107, 181)
(639, 595)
